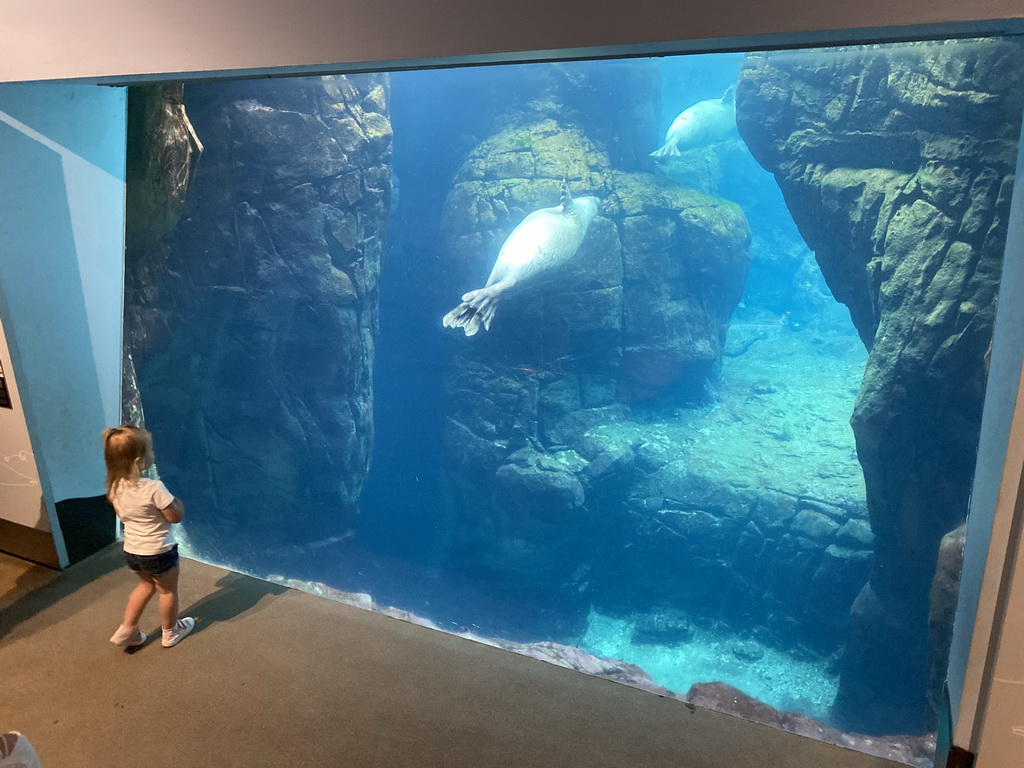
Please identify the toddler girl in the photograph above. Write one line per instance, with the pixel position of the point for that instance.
(147, 510)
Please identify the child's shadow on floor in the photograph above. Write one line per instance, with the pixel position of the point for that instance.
(236, 595)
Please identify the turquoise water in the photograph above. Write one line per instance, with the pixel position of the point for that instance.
(778, 679)
(659, 425)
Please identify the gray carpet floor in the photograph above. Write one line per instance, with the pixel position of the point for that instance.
(277, 678)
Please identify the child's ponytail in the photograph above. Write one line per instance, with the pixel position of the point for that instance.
(123, 449)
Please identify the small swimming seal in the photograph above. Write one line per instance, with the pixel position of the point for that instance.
(544, 241)
(703, 123)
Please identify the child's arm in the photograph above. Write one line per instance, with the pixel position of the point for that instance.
(174, 512)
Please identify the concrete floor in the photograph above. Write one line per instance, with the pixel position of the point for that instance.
(275, 677)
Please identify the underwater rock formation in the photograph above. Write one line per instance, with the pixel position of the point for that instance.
(898, 171)
(720, 697)
(685, 260)
(945, 595)
(641, 313)
(161, 161)
(783, 277)
(695, 538)
(252, 326)
(615, 101)
(162, 153)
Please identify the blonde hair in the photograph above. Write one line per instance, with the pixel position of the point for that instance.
(124, 449)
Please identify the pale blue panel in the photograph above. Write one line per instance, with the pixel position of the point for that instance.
(61, 228)
(76, 117)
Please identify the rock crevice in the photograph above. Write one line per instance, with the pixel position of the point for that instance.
(896, 166)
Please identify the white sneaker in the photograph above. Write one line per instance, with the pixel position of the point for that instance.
(181, 629)
(15, 750)
(126, 637)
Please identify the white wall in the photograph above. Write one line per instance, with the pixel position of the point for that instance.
(71, 38)
(62, 154)
(21, 498)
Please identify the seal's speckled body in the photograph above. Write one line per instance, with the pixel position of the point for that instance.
(543, 241)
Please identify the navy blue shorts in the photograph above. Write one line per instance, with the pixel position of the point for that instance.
(153, 565)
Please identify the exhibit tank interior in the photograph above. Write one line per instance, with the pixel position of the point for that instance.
(669, 370)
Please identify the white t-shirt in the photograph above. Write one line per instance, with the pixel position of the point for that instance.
(138, 504)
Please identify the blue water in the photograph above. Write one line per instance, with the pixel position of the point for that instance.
(400, 551)
(552, 479)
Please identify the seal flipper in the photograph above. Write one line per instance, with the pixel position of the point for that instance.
(476, 310)
(567, 205)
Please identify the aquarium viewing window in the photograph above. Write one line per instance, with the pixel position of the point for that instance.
(670, 369)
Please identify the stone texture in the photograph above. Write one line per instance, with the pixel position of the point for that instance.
(615, 101)
(640, 314)
(252, 325)
(663, 627)
(162, 153)
(945, 594)
(698, 539)
(747, 651)
(897, 169)
(783, 277)
(684, 265)
(915, 751)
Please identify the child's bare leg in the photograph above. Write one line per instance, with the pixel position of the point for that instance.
(139, 599)
(167, 586)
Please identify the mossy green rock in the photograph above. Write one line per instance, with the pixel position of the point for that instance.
(895, 165)
(656, 278)
(639, 313)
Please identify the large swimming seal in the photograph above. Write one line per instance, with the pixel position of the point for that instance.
(543, 241)
(703, 123)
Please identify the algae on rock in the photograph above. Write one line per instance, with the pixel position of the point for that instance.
(897, 170)
(640, 314)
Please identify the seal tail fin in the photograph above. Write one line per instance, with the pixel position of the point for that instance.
(667, 149)
(476, 310)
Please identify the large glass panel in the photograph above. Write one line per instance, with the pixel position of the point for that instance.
(669, 370)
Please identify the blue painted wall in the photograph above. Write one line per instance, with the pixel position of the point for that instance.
(62, 160)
